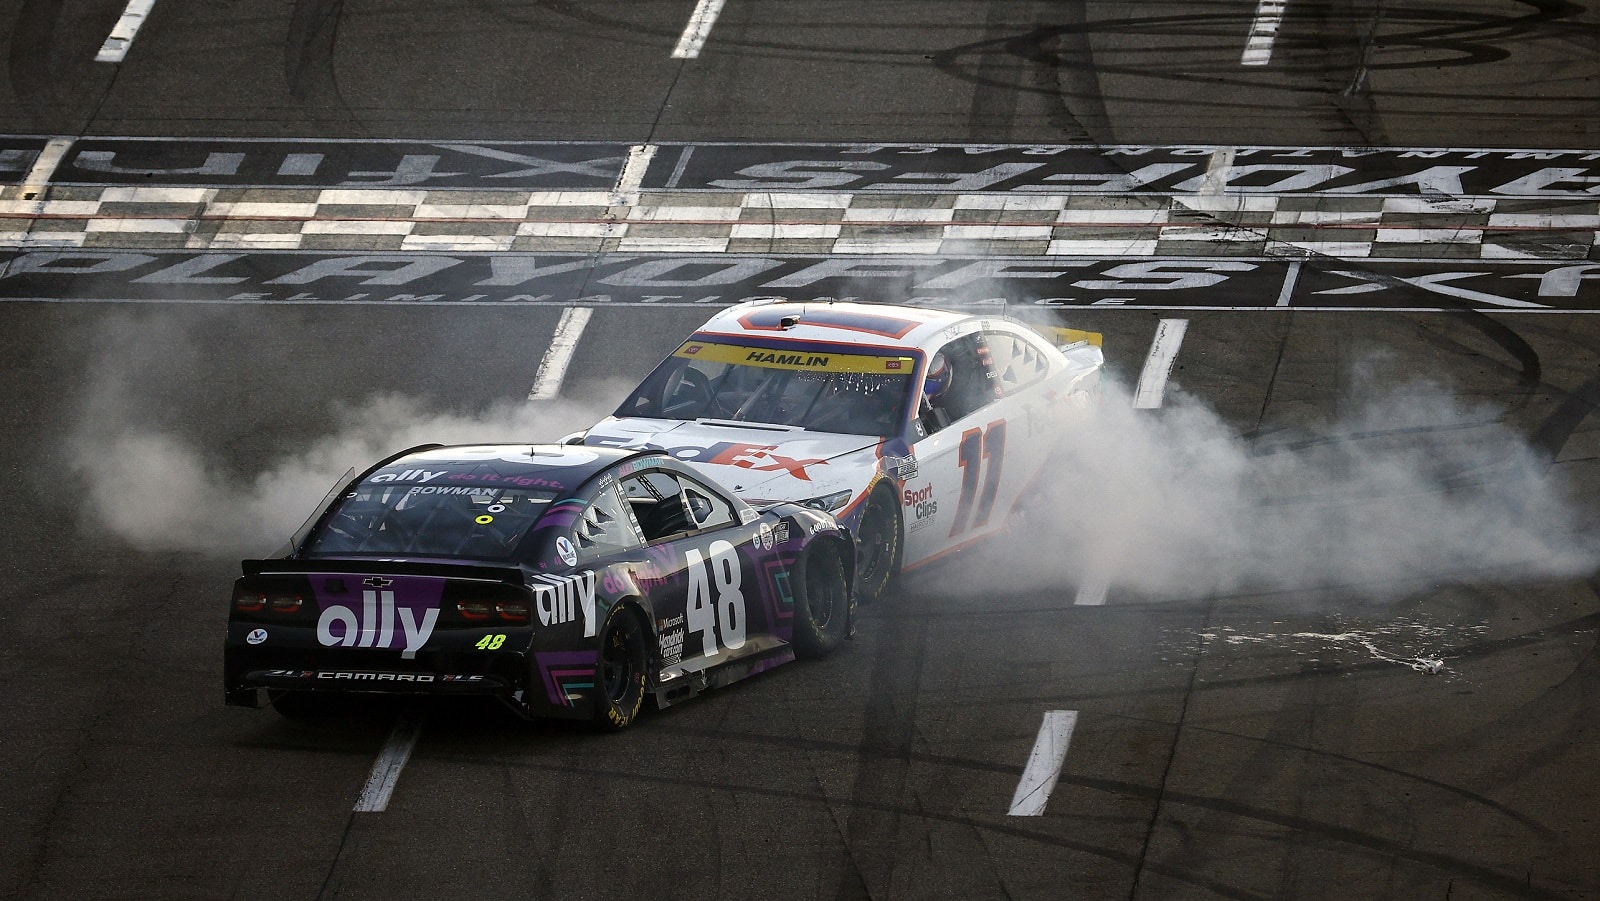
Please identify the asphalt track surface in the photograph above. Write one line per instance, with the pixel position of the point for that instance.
(1276, 744)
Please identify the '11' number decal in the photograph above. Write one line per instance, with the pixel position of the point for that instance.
(727, 611)
(977, 447)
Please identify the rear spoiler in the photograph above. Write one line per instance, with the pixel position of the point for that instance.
(1066, 337)
(508, 574)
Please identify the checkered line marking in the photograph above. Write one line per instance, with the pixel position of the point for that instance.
(804, 223)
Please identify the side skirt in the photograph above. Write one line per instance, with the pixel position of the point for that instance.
(677, 687)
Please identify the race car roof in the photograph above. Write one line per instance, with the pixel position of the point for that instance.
(553, 467)
(837, 323)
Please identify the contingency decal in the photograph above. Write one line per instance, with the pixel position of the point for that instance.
(559, 599)
(902, 468)
(565, 550)
(256, 636)
(921, 506)
(671, 634)
(566, 674)
(389, 613)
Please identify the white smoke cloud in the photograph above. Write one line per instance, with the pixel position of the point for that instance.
(1415, 487)
(160, 489)
(1411, 489)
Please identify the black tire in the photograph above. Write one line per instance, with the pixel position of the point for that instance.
(822, 605)
(880, 545)
(620, 672)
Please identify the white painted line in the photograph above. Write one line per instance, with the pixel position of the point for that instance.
(38, 177)
(1044, 764)
(1158, 365)
(1263, 31)
(631, 179)
(1289, 281)
(386, 769)
(699, 28)
(121, 37)
(1217, 171)
(553, 368)
(1092, 589)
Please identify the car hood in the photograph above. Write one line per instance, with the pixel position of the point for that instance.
(756, 463)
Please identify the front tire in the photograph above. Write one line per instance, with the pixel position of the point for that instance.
(620, 671)
(880, 545)
(822, 606)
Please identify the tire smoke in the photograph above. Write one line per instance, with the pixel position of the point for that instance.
(171, 464)
(1412, 489)
(159, 492)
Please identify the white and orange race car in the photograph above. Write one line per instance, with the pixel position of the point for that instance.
(919, 429)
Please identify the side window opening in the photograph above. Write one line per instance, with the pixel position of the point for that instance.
(607, 526)
(667, 505)
(960, 380)
(1018, 362)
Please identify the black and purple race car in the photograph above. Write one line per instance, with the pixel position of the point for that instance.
(565, 581)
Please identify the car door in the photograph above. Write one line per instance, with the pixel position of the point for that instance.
(962, 480)
(704, 573)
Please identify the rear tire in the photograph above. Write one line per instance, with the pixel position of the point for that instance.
(880, 544)
(822, 604)
(620, 671)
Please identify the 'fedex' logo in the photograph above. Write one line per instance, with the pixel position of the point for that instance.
(378, 623)
(757, 457)
(760, 457)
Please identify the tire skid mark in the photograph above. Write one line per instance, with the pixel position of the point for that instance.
(1438, 39)
(1587, 623)
(1159, 794)
(1552, 434)
(985, 766)
(84, 743)
(1296, 716)
(1512, 884)
(885, 756)
(1560, 713)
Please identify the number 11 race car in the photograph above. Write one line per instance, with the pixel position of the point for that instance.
(565, 581)
(921, 429)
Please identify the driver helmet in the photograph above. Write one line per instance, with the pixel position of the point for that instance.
(937, 378)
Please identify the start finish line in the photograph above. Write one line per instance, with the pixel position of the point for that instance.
(670, 280)
(1431, 173)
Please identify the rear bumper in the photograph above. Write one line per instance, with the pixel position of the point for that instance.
(516, 677)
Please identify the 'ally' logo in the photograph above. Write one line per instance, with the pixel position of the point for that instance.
(559, 599)
(378, 623)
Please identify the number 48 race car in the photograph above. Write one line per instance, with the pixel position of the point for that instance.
(920, 429)
(565, 581)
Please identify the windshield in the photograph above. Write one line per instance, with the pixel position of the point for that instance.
(479, 523)
(811, 388)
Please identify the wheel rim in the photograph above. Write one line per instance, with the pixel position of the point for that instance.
(874, 534)
(822, 599)
(616, 661)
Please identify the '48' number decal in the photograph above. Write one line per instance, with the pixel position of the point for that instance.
(979, 446)
(725, 612)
